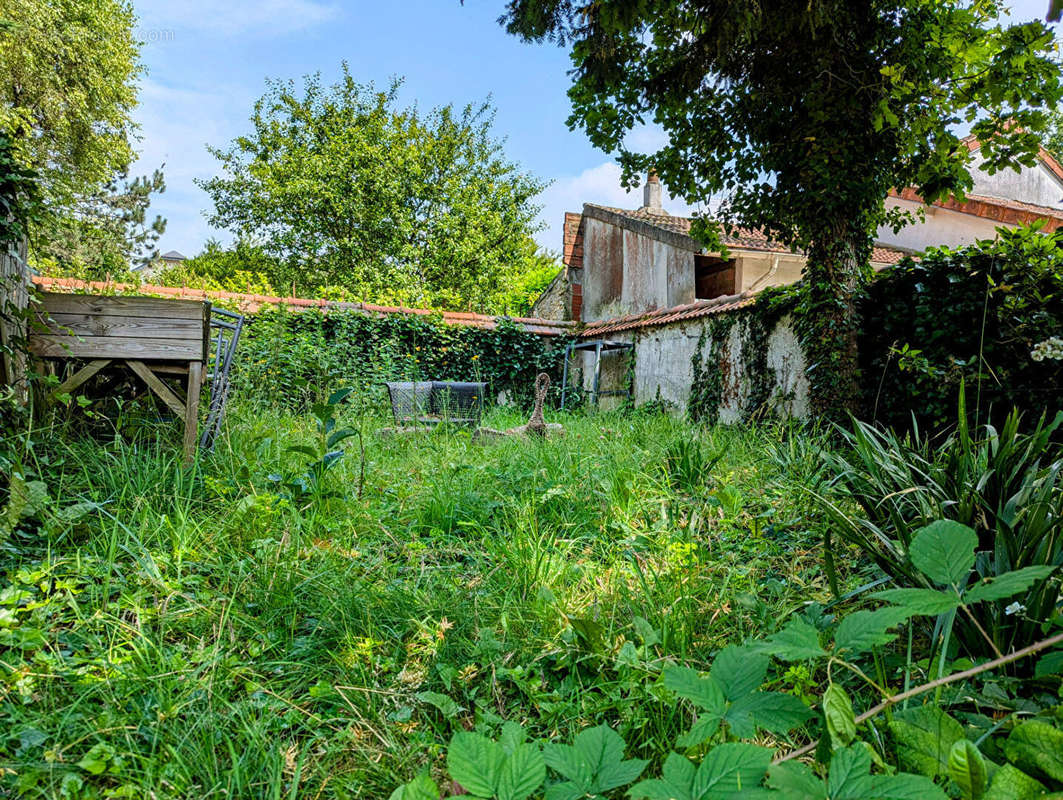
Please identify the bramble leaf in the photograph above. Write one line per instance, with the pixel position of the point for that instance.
(838, 712)
(798, 641)
(944, 551)
(420, 788)
(475, 761)
(925, 736)
(705, 693)
(1008, 584)
(921, 601)
(863, 630)
(739, 670)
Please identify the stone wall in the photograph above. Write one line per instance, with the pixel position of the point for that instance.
(728, 367)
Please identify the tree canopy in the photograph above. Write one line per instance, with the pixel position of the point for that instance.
(347, 189)
(803, 116)
(68, 73)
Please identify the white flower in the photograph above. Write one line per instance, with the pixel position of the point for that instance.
(1015, 608)
(1050, 348)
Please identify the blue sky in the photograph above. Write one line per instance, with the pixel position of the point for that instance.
(207, 61)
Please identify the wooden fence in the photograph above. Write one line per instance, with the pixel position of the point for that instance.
(14, 297)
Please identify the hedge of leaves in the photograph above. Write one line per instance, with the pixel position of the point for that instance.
(982, 315)
(295, 358)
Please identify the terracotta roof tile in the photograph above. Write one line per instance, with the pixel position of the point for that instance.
(649, 319)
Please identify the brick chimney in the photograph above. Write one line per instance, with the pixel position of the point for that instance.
(651, 194)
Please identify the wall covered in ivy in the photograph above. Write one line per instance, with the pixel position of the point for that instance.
(295, 358)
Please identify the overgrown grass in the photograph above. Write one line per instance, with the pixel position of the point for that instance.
(193, 634)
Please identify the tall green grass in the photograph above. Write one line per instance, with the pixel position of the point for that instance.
(193, 633)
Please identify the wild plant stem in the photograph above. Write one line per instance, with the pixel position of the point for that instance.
(1018, 655)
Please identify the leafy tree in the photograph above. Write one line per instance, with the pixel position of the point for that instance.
(244, 267)
(348, 190)
(68, 74)
(104, 233)
(803, 115)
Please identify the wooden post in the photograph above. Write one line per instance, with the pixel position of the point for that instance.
(14, 298)
(195, 383)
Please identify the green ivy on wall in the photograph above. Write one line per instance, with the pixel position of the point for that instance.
(295, 358)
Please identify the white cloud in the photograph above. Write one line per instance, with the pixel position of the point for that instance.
(261, 17)
(600, 185)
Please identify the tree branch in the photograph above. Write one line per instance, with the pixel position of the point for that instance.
(934, 684)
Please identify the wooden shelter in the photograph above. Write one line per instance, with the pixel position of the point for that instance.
(155, 338)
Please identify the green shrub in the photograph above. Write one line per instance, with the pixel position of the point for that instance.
(975, 314)
(296, 358)
(1005, 484)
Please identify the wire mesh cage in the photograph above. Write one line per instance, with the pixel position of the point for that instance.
(431, 402)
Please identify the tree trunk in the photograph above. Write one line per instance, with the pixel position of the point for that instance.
(836, 268)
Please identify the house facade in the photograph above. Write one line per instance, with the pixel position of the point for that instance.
(637, 275)
(620, 261)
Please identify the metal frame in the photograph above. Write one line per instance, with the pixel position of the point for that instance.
(598, 346)
(228, 324)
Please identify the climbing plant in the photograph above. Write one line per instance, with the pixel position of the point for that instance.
(295, 357)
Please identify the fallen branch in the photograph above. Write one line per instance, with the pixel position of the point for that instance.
(1037, 647)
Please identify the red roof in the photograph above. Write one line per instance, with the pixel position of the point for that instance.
(1000, 209)
(649, 319)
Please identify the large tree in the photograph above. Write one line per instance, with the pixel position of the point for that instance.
(103, 234)
(349, 190)
(68, 87)
(803, 115)
(68, 73)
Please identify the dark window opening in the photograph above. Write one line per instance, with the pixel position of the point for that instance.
(713, 277)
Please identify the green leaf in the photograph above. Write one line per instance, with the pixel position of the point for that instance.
(905, 787)
(944, 551)
(522, 773)
(735, 767)
(1007, 585)
(776, 712)
(1036, 748)
(96, 760)
(924, 736)
(420, 788)
(739, 670)
(475, 761)
(595, 762)
(338, 436)
(705, 693)
(675, 783)
(339, 395)
(798, 641)
(967, 769)
(446, 705)
(863, 630)
(1011, 783)
(1051, 664)
(796, 781)
(850, 774)
(921, 601)
(838, 712)
(702, 729)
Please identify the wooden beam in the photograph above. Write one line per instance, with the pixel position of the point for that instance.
(195, 383)
(79, 377)
(125, 347)
(65, 324)
(112, 305)
(155, 383)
